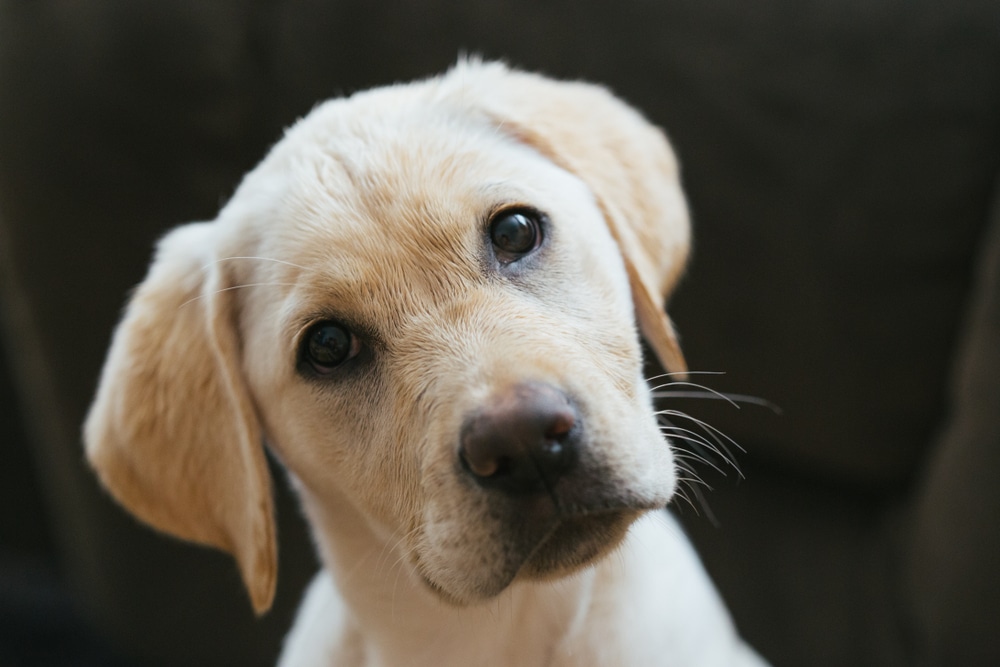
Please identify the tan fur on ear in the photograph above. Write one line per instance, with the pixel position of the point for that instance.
(626, 162)
(172, 432)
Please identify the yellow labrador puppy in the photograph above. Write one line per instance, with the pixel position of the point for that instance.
(424, 301)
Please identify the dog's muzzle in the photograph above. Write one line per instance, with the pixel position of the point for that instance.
(553, 497)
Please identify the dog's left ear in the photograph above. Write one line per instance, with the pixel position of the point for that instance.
(624, 160)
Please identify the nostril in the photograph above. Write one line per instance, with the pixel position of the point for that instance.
(480, 466)
(562, 424)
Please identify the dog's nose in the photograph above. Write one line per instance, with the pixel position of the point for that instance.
(523, 441)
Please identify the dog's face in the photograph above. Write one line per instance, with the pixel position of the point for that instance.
(393, 250)
(427, 307)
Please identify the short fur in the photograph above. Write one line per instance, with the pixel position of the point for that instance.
(373, 211)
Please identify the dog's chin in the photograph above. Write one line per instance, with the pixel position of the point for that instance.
(571, 544)
(577, 542)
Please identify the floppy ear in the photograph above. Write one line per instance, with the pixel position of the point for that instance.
(625, 161)
(172, 432)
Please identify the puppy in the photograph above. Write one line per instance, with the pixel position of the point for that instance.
(425, 302)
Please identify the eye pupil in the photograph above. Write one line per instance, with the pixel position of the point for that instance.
(515, 233)
(328, 345)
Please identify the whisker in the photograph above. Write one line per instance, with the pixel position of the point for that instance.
(397, 538)
(716, 447)
(693, 479)
(689, 475)
(398, 566)
(704, 425)
(707, 439)
(233, 287)
(682, 494)
(711, 392)
(703, 501)
(693, 484)
(702, 443)
(676, 373)
(262, 259)
(687, 454)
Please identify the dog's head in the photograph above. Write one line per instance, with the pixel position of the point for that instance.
(425, 300)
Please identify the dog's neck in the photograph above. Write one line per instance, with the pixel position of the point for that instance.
(649, 603)
(393, 616)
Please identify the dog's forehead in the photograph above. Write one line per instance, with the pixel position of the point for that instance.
(411, 192)
(387, 205)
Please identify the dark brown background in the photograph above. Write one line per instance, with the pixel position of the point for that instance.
(841, 160)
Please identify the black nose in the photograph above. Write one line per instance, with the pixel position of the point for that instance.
(523, 441)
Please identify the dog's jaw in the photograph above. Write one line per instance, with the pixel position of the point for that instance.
(570, 545)
(576, 542)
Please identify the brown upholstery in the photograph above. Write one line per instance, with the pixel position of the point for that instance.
(841, 160)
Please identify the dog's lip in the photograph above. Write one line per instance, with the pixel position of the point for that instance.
(528, 561)
(586, 509)
(595, 494)
(575, 541)
(598, 507)
(443, 594)
(584, 522)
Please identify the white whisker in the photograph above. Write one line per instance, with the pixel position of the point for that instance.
(707, 392)
(233, 287)
(705, 425)
(262, 259)
(718, 448)
(711, 392)
(676, 373)
(688, 455)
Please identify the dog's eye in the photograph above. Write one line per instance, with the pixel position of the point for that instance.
(515, 234)
(327, 345)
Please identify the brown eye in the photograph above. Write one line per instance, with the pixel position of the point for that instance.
(515, 234)
(327, 345)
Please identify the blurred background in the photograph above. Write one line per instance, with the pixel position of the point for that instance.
(841, 159)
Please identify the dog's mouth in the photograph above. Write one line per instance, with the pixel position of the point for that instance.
(536, 547)
(576, 541)
(589, 521)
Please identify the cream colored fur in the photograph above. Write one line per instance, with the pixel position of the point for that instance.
(372, 211)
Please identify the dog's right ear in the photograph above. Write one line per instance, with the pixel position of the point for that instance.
(172, 432)
(625, 161)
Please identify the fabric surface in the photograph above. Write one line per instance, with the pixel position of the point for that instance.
(951, 574)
